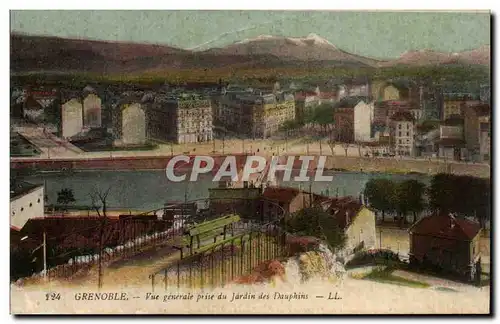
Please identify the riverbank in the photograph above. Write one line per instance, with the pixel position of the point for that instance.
(336, 163)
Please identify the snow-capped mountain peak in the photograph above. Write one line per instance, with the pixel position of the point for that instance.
(318, 39)
(258, 38)
(299, 41)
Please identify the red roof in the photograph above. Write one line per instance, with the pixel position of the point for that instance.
(402, 116)
(446, 226)
(304, 94)
(328, 95)
(481, 109)
(280, 194)
(344, 209)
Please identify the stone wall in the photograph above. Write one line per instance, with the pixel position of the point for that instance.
(396, 165)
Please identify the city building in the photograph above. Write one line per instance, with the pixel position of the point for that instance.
(71, 118)
(485, 138)
(91, 108)
(363, 119)
(184, 118)
(426, 144)
(455, 103)
(384, 110)
(26, 202)
(402, 133)
(485, 93)
(129, 122)
(451, 139)
(349, 118)
(446, 242)
(40, 106)
(256, 114)
(358, 87)
(343, 119)
(388, 90)
(244, 200)
(305, 102)
(355, 219)
(287, 199)
(417, 114)
(472, 128)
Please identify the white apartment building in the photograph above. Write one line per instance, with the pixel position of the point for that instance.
(402, 133)
(72, 118)
(26, 201)
(92, 111)
(363, 119)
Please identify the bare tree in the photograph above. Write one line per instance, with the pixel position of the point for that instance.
(345, 146)
(97, 196)
(332, 136)
(359, 148)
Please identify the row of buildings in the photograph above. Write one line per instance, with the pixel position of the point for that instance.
(386, 111)
(401, 122)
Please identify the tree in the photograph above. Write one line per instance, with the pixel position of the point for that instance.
(359, 148)
(463, 195)
(331, 143)
(380, 195)
(409, 198)
(322, 118)
(65, 197)
(290, 126)
(98, 196)
(442, 193)
(345, 146)
(314, 221)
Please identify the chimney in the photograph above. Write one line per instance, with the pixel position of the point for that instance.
(452, 221)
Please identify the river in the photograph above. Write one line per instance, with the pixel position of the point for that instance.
(147, 190)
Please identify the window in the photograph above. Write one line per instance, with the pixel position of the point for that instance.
(400, 142)
(22, 208)
(407, 133)
(38, 201)
(31, 205)
(399, 126)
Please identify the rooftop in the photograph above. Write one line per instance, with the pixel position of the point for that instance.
(19, 188)
(343, 209)
(446, 226)
(402, 116)
(351, 102)
(281, 194)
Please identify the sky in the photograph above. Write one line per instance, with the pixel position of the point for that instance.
(373, 34)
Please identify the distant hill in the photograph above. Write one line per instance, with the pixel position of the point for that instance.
(479, 56)
(62, 55)
(310, 48)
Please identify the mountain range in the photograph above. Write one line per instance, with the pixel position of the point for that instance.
(45, 53)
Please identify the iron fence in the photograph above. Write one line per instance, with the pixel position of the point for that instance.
(222, 263)
(77, 249)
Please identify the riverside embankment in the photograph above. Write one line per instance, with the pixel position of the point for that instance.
(344, 163)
